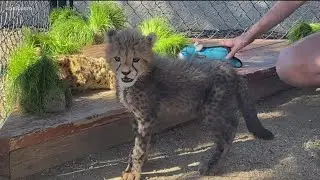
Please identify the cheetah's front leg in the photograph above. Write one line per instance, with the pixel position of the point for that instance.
(143, 131)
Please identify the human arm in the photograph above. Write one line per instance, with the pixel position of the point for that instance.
(280, 11)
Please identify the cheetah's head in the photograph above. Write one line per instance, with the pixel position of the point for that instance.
(129, 54)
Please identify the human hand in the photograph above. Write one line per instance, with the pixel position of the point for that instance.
(236, 44)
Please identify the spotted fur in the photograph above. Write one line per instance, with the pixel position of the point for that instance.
(85, 73)
(150, 85)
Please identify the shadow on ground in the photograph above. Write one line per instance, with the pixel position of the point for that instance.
(292, 115)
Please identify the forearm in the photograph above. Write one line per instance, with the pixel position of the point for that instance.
(279, 12)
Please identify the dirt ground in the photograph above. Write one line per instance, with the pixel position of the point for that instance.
(293, 116)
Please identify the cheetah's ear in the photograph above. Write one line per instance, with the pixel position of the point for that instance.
(151, 38)
(109, 35)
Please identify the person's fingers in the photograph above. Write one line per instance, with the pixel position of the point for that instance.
(228, 43)
(232, 52)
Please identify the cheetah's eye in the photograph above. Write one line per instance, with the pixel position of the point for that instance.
(117, 58)
(136, 59)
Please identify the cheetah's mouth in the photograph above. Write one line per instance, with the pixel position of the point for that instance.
(126, 79)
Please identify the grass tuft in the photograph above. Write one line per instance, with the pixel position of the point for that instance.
(36, 83)
(70, 31)
(62, 14)
(301, 30)
(158, 25)
(104, 16)
(71, 35)
(32, 75)
(315, 27)
(169, 41)
(171, 45)
(38, 39)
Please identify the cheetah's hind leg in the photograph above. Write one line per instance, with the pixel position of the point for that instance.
(223, 142)
(220, 117)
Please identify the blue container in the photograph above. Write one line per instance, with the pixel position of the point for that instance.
(217, 53)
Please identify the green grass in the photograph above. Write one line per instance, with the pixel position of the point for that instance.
(169, 41)
(30, 77)
(37, 82)
(39, 39)
(71, 35)
(301, 30)
(106, 15)
(315, 27)
(171, 45)
(62, 14)
(22, 57)
(70, 31)
(18, 62)
(158, 25)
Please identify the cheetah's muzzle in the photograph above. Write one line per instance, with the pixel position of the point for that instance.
(126, 79)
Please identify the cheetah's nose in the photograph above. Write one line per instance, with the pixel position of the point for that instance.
(125, 73)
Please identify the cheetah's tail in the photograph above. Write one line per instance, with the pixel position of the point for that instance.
(249, 112)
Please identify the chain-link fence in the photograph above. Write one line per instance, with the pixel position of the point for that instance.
(201, 19)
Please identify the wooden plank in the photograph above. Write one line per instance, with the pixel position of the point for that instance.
(62, 130)
(87, 111)
(95, 51)
(29, 160)
(4, 158)
(35, 158)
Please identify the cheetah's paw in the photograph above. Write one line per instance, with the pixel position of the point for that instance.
(132, 175)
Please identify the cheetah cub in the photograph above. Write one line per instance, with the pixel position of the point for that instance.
(150, 85)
